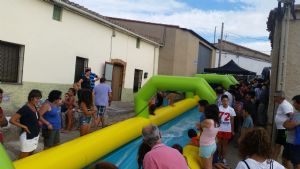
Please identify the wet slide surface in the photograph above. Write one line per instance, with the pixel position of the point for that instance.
(173, 132)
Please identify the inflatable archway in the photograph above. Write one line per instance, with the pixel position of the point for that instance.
(161, 83)
(217, 79)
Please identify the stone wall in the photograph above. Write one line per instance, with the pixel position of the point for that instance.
(291, 80)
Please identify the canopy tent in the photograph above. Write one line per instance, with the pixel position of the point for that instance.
(230, 68)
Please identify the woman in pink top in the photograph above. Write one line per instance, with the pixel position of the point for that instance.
(210, 128)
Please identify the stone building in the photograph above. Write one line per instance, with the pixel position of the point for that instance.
(285, 39)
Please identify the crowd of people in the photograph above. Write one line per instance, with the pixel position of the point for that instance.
(57, 114)
(239, 115)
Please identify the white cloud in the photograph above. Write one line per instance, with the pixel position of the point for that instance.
(249, 22)
(133, 6)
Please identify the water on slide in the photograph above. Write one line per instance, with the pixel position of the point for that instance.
(173, 132)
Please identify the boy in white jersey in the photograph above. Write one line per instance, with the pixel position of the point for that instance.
(226, 131)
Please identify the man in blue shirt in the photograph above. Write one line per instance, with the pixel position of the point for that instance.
(103, 97)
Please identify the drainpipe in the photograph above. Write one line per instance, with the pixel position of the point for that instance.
(111, 43)
(154, 62)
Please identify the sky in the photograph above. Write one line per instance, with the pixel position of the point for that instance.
(244, 20)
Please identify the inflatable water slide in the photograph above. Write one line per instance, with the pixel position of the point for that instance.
(83, 151)
(225, 80)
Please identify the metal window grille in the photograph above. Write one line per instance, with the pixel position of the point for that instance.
(9, 62)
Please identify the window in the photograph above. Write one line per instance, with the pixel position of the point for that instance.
(81, 64)
(57, 11)
(138, 43)
(11, 62)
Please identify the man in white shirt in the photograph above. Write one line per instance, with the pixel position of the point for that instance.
(284, 111)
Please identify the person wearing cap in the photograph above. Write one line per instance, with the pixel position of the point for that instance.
(284, 111)
(160, 156)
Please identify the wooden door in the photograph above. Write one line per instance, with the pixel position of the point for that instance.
(117, 82)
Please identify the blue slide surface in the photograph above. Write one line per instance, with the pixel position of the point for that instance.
(173, 132)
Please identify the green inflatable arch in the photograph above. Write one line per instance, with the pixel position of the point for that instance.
(190, 85)
(223, 80)
(5, 162)
(233, 79)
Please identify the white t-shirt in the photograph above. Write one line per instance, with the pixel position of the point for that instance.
(283, 108)
(258, 165)
(225, 114)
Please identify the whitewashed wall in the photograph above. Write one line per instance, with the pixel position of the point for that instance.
(51, 46)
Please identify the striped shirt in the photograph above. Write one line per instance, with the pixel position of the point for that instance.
(92, 79)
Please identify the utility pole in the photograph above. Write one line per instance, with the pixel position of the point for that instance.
(215, 34)
(221, 45)
(283, 50)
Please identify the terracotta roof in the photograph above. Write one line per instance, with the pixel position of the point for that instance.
(244, 51)
(111, 22)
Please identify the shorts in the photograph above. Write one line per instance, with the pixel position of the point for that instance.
(28, 145)
(224, 135)
(51, 137)
(85, 120)
(280, 137)
(101, 111)
(207, 151)
(292, 153)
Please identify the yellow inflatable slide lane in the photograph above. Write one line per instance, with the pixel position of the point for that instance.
(191, 154)
(87, 149)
